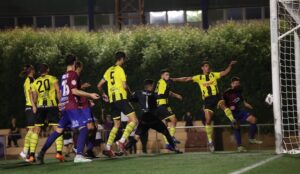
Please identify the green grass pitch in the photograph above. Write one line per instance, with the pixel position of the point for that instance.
(187, 163)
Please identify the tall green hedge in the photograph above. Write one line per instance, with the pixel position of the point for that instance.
(149, 49)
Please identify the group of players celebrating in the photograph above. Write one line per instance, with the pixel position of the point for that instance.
(65, 104)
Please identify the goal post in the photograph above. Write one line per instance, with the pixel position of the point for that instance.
(285, 52)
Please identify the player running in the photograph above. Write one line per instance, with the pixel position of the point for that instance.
(28, 72)
(147, 102)
(117, 91)
(85, 106)
(45, 90)
(164, 111)
(71, 114)
(208, 83)
(234, 99)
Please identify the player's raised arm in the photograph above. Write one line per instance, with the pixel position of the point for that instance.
(228, 69)
(182, 79)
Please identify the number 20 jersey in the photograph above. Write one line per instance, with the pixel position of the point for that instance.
(68, 100)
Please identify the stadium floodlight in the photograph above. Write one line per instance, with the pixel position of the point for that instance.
(285, 45)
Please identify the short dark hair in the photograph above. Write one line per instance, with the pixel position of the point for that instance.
(235, 78)
(78, 64)
(164, 71)
(70, 59)
(148, 82)
(119, 55)
(205, 62)
(43, 68)
(26, 70)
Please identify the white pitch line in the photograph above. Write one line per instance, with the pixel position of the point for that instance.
(256, 165)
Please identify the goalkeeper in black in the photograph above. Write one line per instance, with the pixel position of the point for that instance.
(146, 100)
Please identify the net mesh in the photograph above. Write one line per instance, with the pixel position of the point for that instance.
(288, 20)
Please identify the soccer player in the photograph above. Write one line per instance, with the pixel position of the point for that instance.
(147, 103)
(85, 106)
(28, 72)
(117, 91)
(46, 94)
(234, 99)
(208, 83)
(164, 111)
(71, 114)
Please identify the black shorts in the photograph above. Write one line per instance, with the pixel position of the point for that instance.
(50, 114)
(123, 106)
(212, 102)
(155, 124)
(30, 117)
(164, 112)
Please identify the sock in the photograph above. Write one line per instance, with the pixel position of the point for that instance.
(168, 138)
(209, 132)
(238, 138)
(82, 137)
(172, 131)
(111, 138)
(228, 114)
(50, 141)
(75, 137)
(91, 140)
(59, 144)
(27, 142)
(33, 142)
(252, 131)
(129, 128)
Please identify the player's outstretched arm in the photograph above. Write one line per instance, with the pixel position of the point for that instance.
(228, 69)
(81, 93)
(182, 79)
(175, 95)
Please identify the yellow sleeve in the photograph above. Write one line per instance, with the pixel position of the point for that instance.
(161, 87)
(53, 79)
(106, 75)
(121, 74)
(196, 78)
(217, 75)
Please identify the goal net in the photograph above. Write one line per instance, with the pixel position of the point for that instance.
(285, 44)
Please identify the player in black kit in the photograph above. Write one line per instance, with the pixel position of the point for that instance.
(147, 102)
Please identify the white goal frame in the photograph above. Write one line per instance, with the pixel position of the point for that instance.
(276, 73)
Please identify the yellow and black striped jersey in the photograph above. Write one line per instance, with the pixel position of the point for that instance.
(208, 83)
(27, 88)
(45, 89)
(115, 76)
(162, 91)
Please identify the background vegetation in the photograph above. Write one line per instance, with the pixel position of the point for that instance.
(149, 49)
